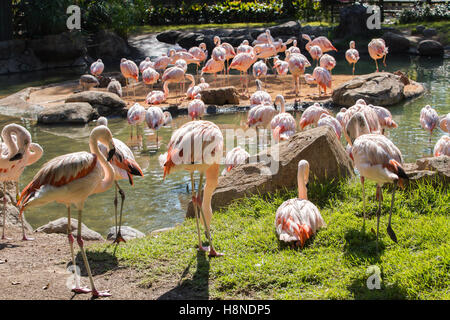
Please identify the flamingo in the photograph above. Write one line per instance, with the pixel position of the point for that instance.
(315, 53)
(200, 53)
(384, 118)
(97, 67)
(114, 86)
(264, 37)
(312, 115)
(265, 51)
(260, 116)
(340, 116)
(129, 70)
(444, 123)
(157, 96)
(242, 62)
(328, 62)
(352, 55)
(282, 67)
(155, 119)
(378, 159)
(213, 66)
(17, 151)
(145, 64)
(330, 121)
(87, 82)
(293, 48)
(296, 220)
(150, 76)
(197, 146)
(229, 50)
(176, 75)
(235, 157)
(193, 90)
(370, 117)
(71, 179)
(125, 167)
(244, 47)
(297, 64)
(196, 108)
(378, 50)
(135, 116)
(259, 69)
(184, 55)
(281, 46)
(322, 77)
(442, 147)
(283, 124)
(260, 96)
(203, 84)
(161, 62)
(429, 119)
(324, 44)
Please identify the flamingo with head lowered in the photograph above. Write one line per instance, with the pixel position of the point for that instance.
(283, 124)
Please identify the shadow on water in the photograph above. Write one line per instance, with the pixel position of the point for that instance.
(196, 288)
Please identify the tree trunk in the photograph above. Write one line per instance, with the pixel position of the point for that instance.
(6, 20)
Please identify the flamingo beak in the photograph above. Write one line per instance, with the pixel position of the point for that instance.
(16, 157)
(111, 153)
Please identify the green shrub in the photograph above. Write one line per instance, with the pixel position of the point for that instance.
(424, 12)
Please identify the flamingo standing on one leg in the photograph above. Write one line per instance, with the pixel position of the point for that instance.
(196, 108)
(155, 119)
(328, 62)
(129, 70)
(312, 115)
(242, 62)
(315, 53)
(260, 117)
(197, 146)
(150, 76)
(259, 69)
(442, 147)
(125, 167)
(283, 124)
(200, 53)
(429, 119)
(297, 64)
(135, 116)
(378, 50)
(17, 151)
(298, 219)
(352, 55)
(322, 77)
(71, 179)
(235, 157)
(97, 67)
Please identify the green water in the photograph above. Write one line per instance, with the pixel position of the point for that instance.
(153, 203)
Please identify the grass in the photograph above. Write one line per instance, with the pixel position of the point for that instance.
(332, 265)
(442, 27)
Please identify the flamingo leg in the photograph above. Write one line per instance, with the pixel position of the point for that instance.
(24, 235)
(157, 144)
(376, 63)
(364, 201)
(380, 198)
(196, 208)
(4, 212)
(119, 237)
(354, 65)
(80, 242)
(391, 232)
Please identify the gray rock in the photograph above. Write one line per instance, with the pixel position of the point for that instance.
(396, 42)
(352, 21)
(60, 226)
(430, 48)
(59, 47)
(419, 29)
(432, 169)
(11, 48)
(170, 36)
(220, 96)
(75, 112)
(429, 32)
(290, 28)
(109, 46)
(379, 88)
(106, 103)
(319, 146)
(128, 233)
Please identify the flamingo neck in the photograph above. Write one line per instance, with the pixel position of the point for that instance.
(108, 170)
(35, 152)
(302, 192)
(8, 140)
(166, 89)
(282, 106)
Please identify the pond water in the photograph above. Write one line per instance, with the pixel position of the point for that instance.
(153, 203)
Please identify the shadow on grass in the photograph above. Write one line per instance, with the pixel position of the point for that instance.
(196, 288)
(361, 292)
(99, 262)
(360, 246)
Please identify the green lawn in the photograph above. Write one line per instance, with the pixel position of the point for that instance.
(331, 266)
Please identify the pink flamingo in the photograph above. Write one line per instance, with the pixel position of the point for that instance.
(259, 69)
(378, 50)
(125, 167)
(444, 123)
(114, 86)
(184, 55)
(244, 47)
(384, 118)
(322, 77)
(297, 65)
(145, 64)
(17, 151)
(328, 62)
(193, 90)
(293, 48)
(297, 220)
(429, 119)
(157, 96)
(213, 66)
(203, 84)
(324, 44)
(229, 50)
(378, 159)
(235, 157)
(283, 124)
(155, 119)
(71, 179)
(97, 67)
(161, 62)
(135, 116)
(176, 75)
(370, 117)
(282, 67)
(330, 121)
(129, 70)
(264, 37)
(150, 76)
(281, 46)
(312, 115)
(200, 53)
(196, 108)
(260, 96)
(340, 116)
(442, 147)
(352, 55)
(260, 116)
(183, 154)
(242, 62)
(315, 53)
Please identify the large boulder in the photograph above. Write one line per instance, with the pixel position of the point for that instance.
(220, 96)
(108, 46)
(396, 43)
(75, 112)
(170, 36)
(278, 168)
(60, 226)
(290, 28)
(59, 47)
(379, 88)
(106, 103)
(430, 48)
(432, 169)
(352, 21)
(127, 233)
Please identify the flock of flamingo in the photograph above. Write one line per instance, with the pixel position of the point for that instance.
(72, 178)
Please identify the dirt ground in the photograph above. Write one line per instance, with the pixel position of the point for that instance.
(275, 85)
(37, 270)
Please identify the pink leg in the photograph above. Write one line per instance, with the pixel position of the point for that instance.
(4, 212)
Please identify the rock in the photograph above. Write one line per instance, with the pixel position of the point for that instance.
(106, 103)
(128, 233)
(403, 77)
(60, 226)
(429, 32)
(109, 46)
(158, 231)
(352, 21)
(396, 42)
(59, 47)
(12, 212)
(419, 29)
(76, 112)
(432, 169)
(11, 48)
(220, 96)
(325, 154)
(170, 36)
(379, 88)
(17, 105)
(430, 48)
(290, 28)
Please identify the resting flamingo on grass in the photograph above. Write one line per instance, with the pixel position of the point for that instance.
(235, 157)
(71, 179)
(352, 55)
(125, 167)
(378, 50)
(283, 124)
(97, 67)
(429, 119)
(297, 220)
(205, 159)
(17, 151)
(442, 147)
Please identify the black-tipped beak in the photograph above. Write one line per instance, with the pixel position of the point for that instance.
(111, 154)
(18, 156)
(135, 171)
